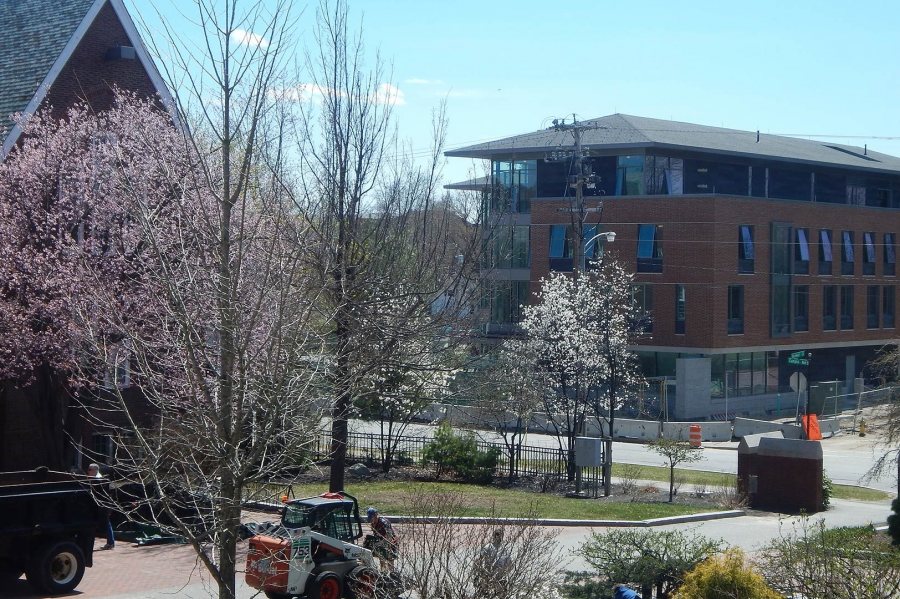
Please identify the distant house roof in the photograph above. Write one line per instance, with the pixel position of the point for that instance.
(37, 37)
(624, 132)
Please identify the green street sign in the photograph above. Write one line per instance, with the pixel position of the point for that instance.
(800, 358)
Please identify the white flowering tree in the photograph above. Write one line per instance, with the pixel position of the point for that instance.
(507, 392)
(577, 337)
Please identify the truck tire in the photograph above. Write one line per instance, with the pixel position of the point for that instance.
(361, 583)
(326, 586)
(56, 567)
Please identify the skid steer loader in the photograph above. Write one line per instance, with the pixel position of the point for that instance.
(313, 553)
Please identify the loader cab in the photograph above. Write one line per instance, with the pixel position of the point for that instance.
(333, 514)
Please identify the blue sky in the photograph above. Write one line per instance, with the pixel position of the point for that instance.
(816, 68)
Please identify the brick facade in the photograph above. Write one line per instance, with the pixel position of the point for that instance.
(700, 251)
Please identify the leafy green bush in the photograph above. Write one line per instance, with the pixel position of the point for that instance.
(827, 490)
(449, 453)
(893, 522)
(725, 575)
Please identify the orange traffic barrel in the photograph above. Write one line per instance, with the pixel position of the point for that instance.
(695, 435)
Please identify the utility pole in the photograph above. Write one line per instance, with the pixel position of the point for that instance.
(583, 175)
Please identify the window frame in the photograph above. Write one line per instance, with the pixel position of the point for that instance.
(873, 306)
(888, 306)
(649, 248)
(801, 245)
(848, 256)
(869, 255)
(800, 299)
(735, 310)
(680, 309)
(847, 308)
(746, 250)
(889, 255)
(829, 308)
(826, 252)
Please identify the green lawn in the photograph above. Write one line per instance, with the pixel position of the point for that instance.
(719, 479)
(394, 497)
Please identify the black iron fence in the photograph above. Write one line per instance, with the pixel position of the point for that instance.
(372, 449)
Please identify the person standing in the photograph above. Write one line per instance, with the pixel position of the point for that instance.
(94, 472)
(385, 541)
(493, 568)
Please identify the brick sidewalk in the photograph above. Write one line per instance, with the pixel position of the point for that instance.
(132, 571)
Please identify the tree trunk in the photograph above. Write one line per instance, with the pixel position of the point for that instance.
(671, 482)
(230, 516)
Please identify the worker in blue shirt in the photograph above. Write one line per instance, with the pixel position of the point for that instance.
(623, 592)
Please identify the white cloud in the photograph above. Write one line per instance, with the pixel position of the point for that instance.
(385, 93)
(248, 38)
(389, 94)
(419, 81)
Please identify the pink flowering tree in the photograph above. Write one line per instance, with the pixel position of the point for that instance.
(185, 314)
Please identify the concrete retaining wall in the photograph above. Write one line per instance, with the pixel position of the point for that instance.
(746, 426)
(709, 431)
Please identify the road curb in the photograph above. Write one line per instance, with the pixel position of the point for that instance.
(561, 522)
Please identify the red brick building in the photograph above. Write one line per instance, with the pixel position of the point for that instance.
(745, 248)
(55, 53)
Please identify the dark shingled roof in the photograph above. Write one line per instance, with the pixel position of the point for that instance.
(622, 131)
(33, 34)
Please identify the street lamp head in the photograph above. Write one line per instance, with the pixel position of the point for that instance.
(610, 236)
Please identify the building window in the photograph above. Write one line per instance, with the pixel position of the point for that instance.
(826, 260)
(735, 309)
(829, 308)
(873, 303)
(561, 247)
(514, 187)
(649, 248)
(846, 307)
(664, 176)
(801, 251)
(890, 254)
(642, 299)
(506, 299)
(746, 254)
(679, 309)
(801, 308)
(630, 176)
(509, 248)
(868, 253)
(745, 373)
(847, 252)
(887, 306)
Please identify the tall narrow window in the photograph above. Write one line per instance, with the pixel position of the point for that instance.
(890, 254)
(642, 298)
(887, 306)
(846, 307)
(735, 309)
(801, 308)
(873, 303)
(868, 253)
(560, 247)
(649, 248)
(801, 251)
(746, 253)
(847, 257)
(826, 261)
(679, 309)
(829, 308)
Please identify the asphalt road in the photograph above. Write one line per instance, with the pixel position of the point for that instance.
(847, 458)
